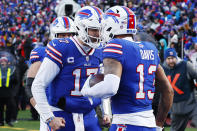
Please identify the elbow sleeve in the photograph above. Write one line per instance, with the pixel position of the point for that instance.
(28, 92)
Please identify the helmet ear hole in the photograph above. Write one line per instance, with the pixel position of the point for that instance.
(109, 29)
(86, 29)
(111, 35)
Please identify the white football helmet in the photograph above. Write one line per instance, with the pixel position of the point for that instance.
(61, 25)
(88, 17)
(118, 20)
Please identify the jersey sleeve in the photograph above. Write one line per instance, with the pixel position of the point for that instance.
(37, 55)
(55, 53)
(113, 50)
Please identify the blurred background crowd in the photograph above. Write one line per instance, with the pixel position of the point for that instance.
(24, 25)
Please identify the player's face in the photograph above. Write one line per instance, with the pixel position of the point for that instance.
(94, 34)
(171, 61)
(64, 35)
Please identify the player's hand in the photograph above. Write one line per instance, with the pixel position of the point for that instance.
(106, 121)
(57, 123)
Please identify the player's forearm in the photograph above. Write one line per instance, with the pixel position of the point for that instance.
(166, 97)
(47, 72)
(166, 100)
(103, 89)
(39, 95)
(32, 102)
(28, 92)
(163, 109)
(106, 107)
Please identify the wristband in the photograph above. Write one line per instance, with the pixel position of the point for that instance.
(49, 120)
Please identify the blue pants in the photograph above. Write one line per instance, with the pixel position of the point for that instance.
(91, 122)
(121, 127)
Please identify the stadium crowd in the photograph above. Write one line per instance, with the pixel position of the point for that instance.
(24, 25)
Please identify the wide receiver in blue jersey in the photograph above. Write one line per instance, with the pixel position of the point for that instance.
(68, 63)
(131, 69)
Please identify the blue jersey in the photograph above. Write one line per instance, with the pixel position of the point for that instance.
(75, 66)
(139, 61)
(37, 54)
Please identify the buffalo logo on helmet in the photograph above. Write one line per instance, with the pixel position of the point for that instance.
(55, 22)
(110, 13)
(84, 14)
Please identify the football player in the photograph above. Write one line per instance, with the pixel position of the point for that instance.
(69, 61)
(60, 28)
(130, 71)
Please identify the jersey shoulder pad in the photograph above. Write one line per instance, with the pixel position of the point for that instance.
(114, 46)
(37, 54)
(58, 46)
(56, 50)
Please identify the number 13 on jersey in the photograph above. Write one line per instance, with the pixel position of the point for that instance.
(140, 69)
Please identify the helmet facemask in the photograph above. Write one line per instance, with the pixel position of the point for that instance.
(88, 26)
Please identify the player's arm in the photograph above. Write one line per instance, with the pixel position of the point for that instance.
(166, 97)
(47, 72)
(35, 60)
(32, 71)
(110, 85)
(106, 111)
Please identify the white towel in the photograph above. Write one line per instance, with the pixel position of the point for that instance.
(78, 121)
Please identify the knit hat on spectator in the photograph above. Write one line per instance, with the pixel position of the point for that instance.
(170, 52)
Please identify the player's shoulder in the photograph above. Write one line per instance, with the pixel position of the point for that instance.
(115, 41)
(59, 44)
(37, 54)
(38, 50)
(122, 42)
